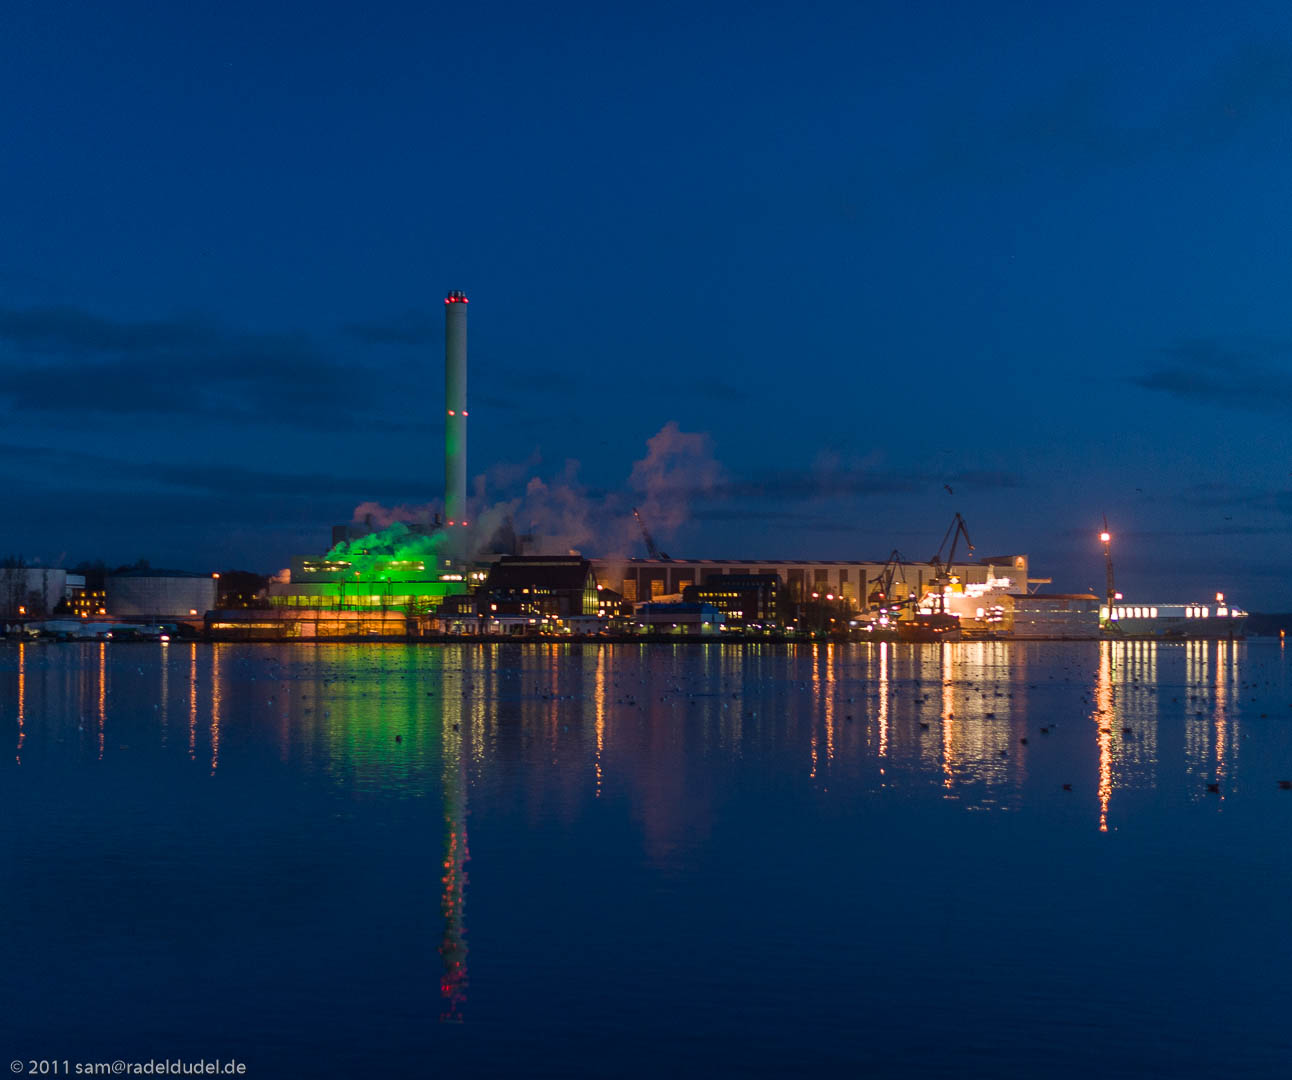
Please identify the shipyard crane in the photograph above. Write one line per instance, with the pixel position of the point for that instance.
(942, 570)
(651, 549)
(881, 595)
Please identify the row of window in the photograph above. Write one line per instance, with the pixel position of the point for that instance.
(1130, 613)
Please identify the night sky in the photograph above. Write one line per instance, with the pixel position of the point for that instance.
(869, 253)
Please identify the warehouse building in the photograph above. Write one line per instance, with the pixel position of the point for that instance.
(650, 579)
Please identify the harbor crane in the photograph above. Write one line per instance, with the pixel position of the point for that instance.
(651, 549)
(881, 593)
(942, 570)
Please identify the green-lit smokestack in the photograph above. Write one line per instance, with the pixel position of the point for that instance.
(455, 420)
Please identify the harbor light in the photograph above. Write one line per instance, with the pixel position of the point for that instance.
(1105, 537)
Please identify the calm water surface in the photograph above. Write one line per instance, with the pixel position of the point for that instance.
(483, 860)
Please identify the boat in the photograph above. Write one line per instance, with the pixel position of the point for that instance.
(1211, 621)
(927, 627)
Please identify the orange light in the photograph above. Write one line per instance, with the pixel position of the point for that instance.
(22, 611)
(192, 611)
(1220, 598)
(216, 576)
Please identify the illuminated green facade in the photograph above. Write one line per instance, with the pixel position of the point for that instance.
(367, 584)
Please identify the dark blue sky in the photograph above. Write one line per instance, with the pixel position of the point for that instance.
(1040, 257)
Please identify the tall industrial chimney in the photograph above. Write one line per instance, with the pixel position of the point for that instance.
(455, 421)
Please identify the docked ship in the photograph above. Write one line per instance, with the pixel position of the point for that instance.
(928, 627)
(1179, 622)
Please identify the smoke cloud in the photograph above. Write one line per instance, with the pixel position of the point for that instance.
(560, 512)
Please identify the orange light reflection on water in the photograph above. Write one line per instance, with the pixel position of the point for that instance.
(215, 708)
(103, 695)
(830, 661)
(22, 698)
(600, 723)
(1104, 718)
(948, 714)
(192, 701)
(883, 699)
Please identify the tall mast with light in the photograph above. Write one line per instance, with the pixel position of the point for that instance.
(1106, 538)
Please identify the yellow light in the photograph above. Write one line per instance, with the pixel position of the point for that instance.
(1105, 537)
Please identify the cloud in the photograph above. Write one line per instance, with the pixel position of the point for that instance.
(1079, 123)
(1243, 377)
(66, 360)
(828, 479)
(202, 477)
(411, 328)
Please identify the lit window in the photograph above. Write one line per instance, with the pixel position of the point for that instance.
(1152, 613)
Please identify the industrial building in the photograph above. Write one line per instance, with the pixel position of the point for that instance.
(744, 599)
(853, 580)
(160, 595)
(554, 586)
(679, 617)
(419, 579)
(331, 592)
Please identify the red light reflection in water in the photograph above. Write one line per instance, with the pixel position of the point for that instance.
(453, 945)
